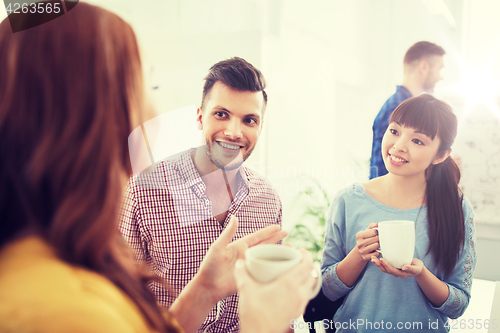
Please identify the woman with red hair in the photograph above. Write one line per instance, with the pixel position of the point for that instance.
(71, 91)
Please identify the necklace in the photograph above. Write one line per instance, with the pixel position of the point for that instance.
(225, 180)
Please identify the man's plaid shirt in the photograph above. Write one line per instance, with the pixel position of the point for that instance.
(168, 222)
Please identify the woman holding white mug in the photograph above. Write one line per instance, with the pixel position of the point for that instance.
(421, 186)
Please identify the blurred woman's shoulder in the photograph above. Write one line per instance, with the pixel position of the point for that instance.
(42, 293)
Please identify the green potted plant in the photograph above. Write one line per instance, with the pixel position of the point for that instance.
(309, 231)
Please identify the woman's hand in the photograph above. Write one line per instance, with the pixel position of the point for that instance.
(352, 265)
(367, 242)
(413, 270)
(436, 290)
(270, 307)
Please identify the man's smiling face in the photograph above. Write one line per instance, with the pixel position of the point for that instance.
(231, 123)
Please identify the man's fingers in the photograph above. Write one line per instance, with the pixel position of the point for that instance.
(274, 238)
(269, 235)
(261, 235)
(241, 245)
(227, 234)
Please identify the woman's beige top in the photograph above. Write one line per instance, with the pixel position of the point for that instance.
(41, 293)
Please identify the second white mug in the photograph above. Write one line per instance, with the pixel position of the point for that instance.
(397, 242)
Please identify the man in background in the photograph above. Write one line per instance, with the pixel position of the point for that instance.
(174, 212)
(422, 65)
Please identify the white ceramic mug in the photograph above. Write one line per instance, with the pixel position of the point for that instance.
(268, 261)
(397, 242)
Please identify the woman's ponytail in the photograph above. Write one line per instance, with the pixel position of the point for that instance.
(445, 215)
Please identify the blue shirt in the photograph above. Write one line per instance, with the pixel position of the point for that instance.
(377, 166)
(379, 301)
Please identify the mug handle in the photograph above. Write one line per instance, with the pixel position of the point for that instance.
(317, 287)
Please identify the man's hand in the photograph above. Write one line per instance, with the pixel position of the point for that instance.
(216, 270)
(215, 278)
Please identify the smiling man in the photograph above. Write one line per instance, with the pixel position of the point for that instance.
(173, 213)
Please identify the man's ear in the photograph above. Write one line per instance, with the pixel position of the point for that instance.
(423, 66)
(442, 157)
(199, 118)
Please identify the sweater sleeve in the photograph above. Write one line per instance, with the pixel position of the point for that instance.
(334, 250)
(460, 281)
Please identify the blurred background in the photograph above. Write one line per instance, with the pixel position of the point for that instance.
(330, 65)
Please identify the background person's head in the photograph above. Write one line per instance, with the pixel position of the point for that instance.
(71, 92)
(423, 62)
(232, 111)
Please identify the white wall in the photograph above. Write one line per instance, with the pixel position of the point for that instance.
(481, 51)
(182, 39)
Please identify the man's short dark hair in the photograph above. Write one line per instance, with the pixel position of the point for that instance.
(422, 50)
(236, 73)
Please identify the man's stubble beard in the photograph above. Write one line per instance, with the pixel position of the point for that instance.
(230, 166)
